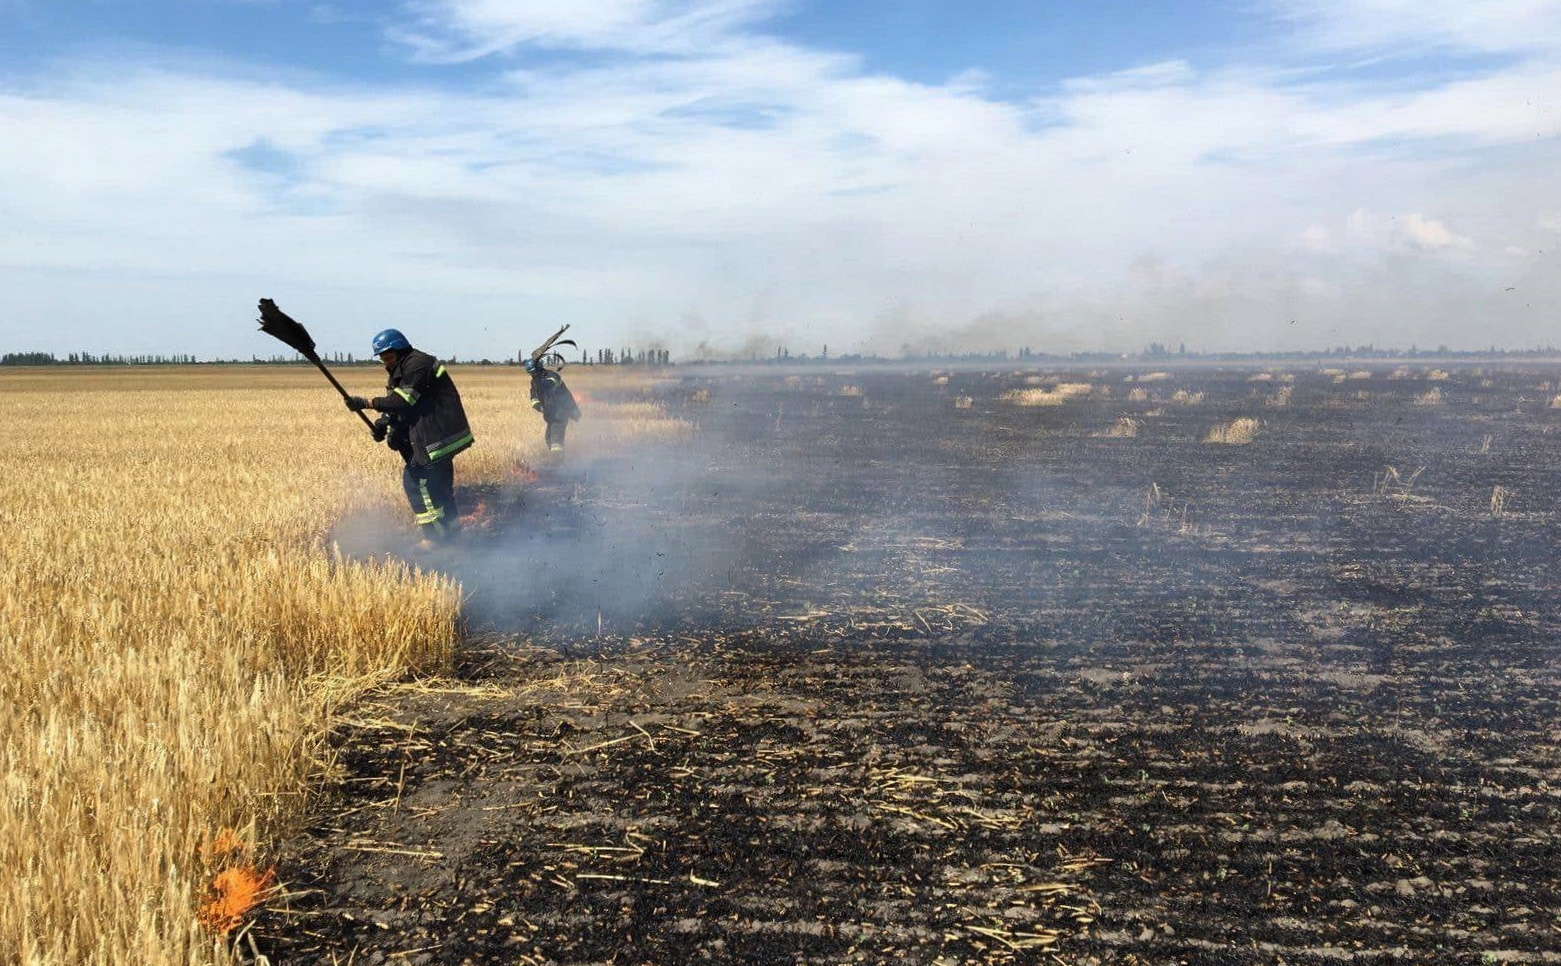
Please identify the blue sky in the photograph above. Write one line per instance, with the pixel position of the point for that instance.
(736, 174)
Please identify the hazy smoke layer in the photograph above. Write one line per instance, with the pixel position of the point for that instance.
(652, 538)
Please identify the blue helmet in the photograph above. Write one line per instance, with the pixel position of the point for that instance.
(530, 364)
(390, 339)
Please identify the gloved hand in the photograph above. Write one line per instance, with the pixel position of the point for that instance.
(357, 403)
(393, 438)
(380, 429)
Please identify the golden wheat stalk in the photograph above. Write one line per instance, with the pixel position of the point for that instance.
(177, 633)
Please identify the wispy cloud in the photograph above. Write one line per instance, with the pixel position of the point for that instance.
(1409, 27)
(459, 30)
(672, 160)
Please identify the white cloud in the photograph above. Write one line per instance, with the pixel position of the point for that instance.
(1317, 238)
(1431, 234)
(1418, 26)
(1369, 231)
(1516, 104)
(457, 30)
(721, 173)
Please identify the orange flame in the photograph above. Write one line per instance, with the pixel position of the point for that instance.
(224, 845)
(237, 887)
(478, 518)
(233, 893)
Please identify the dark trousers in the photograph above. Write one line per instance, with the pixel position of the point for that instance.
(431, 491)
(555, 433)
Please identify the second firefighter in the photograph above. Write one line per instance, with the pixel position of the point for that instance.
(551, 398)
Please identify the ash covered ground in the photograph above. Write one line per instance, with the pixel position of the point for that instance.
(860, 675)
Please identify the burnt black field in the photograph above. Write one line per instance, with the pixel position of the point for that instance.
(889, 667)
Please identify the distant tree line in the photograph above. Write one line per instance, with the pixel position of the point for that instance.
(608, 357)
(1154, 352)
(88, 359)
(627, 357)
(1368, 351)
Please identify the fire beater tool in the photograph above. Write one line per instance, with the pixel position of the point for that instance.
(552, 342)
(276, 323)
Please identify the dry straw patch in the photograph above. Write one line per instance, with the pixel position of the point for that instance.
(1054, 396)
(1499, 497)
(176, 632)
(1236, 432)
(1124, 428)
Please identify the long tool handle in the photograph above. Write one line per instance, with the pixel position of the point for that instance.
(344, 393)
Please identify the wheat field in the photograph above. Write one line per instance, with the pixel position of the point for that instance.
(177, 631)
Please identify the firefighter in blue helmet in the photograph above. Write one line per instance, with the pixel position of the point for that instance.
(421, 417)
(551, 398)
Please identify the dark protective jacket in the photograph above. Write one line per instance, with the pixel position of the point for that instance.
(551, 398)
(425, 409)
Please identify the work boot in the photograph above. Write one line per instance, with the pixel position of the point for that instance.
(430, 537)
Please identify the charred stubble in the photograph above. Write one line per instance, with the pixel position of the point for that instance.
(983, 684)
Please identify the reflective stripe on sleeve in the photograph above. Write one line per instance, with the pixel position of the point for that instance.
(410, 395)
